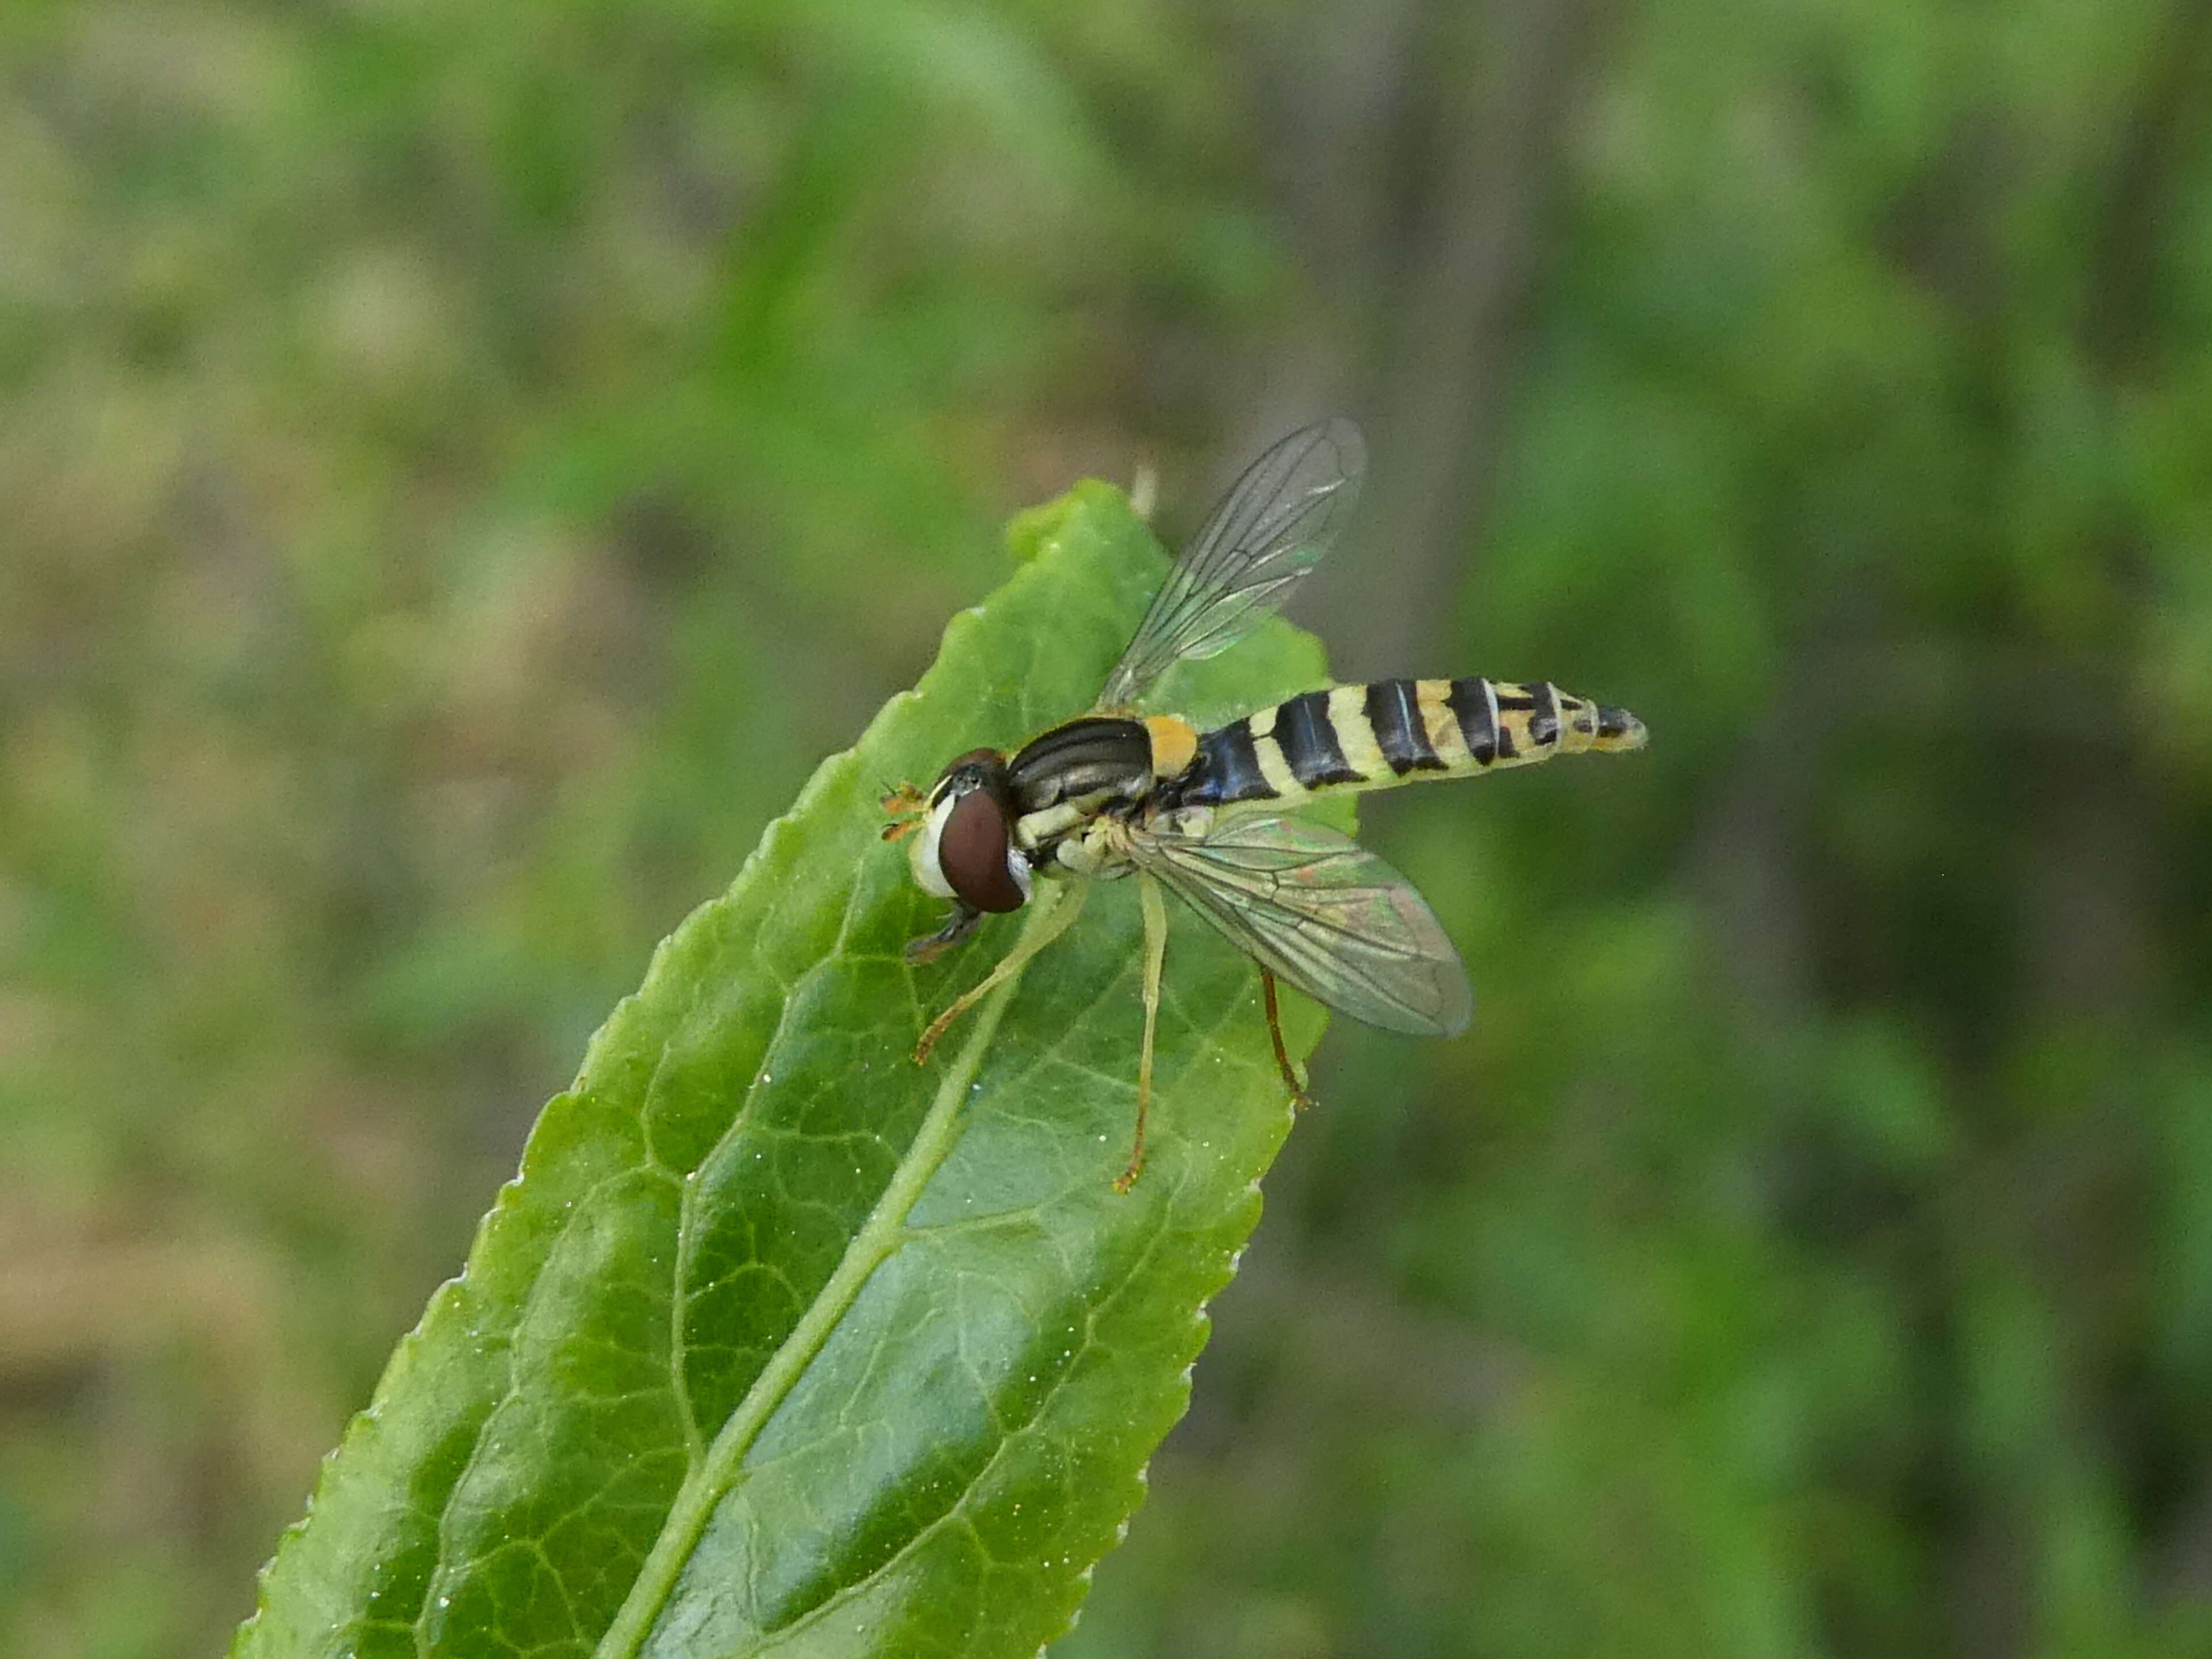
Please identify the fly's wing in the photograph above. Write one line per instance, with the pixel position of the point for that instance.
(1319, 910)
(1271, 528)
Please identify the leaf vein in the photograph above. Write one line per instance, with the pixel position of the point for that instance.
(877, 1240)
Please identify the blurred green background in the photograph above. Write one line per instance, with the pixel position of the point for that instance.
(462, 465)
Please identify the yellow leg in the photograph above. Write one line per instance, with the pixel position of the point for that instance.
(1156, 952)
(1299, 1098)
(1039, 933)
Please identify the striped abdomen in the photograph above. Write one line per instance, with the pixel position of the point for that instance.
(1392, 731)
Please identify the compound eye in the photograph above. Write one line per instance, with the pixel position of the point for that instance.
(975, 852)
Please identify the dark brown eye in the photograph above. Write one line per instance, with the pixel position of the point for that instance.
(973, 853)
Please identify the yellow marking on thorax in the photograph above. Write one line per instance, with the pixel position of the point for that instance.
(1269, 753)
(1441, 725)
(1175, 742)
(1348, 713)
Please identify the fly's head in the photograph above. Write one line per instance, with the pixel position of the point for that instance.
(962, 845)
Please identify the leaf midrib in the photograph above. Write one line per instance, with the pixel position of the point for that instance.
(828, 1607)
(878, 1239)
(679, 1303)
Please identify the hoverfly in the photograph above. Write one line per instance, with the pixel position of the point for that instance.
(1111, 792)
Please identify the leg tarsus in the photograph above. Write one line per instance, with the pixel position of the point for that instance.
(958, 925)
(1300, 1098)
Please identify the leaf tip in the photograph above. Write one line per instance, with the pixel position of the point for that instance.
(1032, 532)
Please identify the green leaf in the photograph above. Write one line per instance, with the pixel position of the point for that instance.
(779, 1344)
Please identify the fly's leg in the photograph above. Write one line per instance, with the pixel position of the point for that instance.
(1156, 952)
(957, 926)
(1299, 1098)
(1050, 928)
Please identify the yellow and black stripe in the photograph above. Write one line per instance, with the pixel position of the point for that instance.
(1391, 731)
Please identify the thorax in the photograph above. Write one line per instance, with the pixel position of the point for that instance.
(1098, 766)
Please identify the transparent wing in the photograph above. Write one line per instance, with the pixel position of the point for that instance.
(1322, 913)
(1273, 527)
